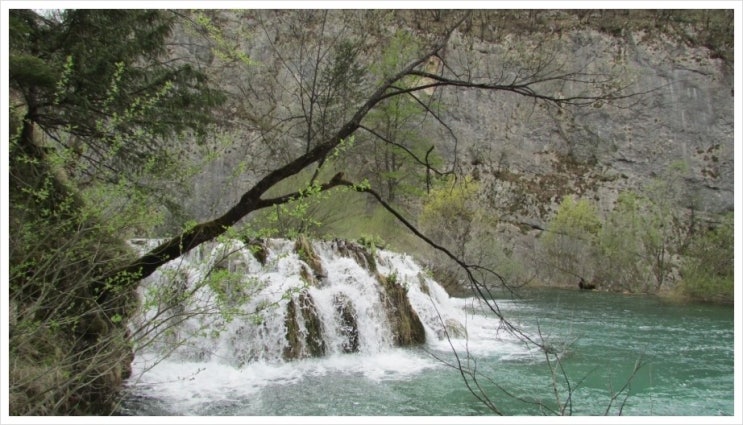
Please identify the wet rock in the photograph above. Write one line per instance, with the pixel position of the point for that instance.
(293, 349)
(406, 325)
(306, 252)
(313, 326)
(357, 252)
(349, 327)
(259, 250)
(303, 341)
(452, 329)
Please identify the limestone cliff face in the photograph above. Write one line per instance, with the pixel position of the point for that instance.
(533, 154)
(528, 153)
(529, 156)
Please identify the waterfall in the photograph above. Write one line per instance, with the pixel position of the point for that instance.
(278, 300)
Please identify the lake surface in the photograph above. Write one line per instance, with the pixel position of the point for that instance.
(685, 353)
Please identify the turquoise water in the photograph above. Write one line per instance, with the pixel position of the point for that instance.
(685, 353)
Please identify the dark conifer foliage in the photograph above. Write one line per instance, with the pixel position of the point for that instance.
(94, 97)
(100, 80)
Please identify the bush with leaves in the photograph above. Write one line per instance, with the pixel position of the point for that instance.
(452, 214)
(620, 246)
(707, 270)
(570, 243)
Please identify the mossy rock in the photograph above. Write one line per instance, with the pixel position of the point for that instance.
(314, 337)
(357, 252)
(423, 284)
(303, 248)
(308, 275)
(455, 328)
(293, 349)
(406, 325)
(307, 342)
(259, 250)
(349, 326)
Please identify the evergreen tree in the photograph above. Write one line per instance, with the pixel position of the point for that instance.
(93, 100)
(97, 82)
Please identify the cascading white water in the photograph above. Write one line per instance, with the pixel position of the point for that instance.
(229, 307)
(219, 326)
(226, 326)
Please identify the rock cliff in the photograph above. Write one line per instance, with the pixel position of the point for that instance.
(683, 112)
(528, 154)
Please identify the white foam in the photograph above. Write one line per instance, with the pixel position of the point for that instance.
(219, 358)
(186, 387)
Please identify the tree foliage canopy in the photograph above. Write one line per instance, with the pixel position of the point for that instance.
(100, 83)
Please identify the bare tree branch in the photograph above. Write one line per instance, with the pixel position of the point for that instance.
(251, 200)
(404, 148)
